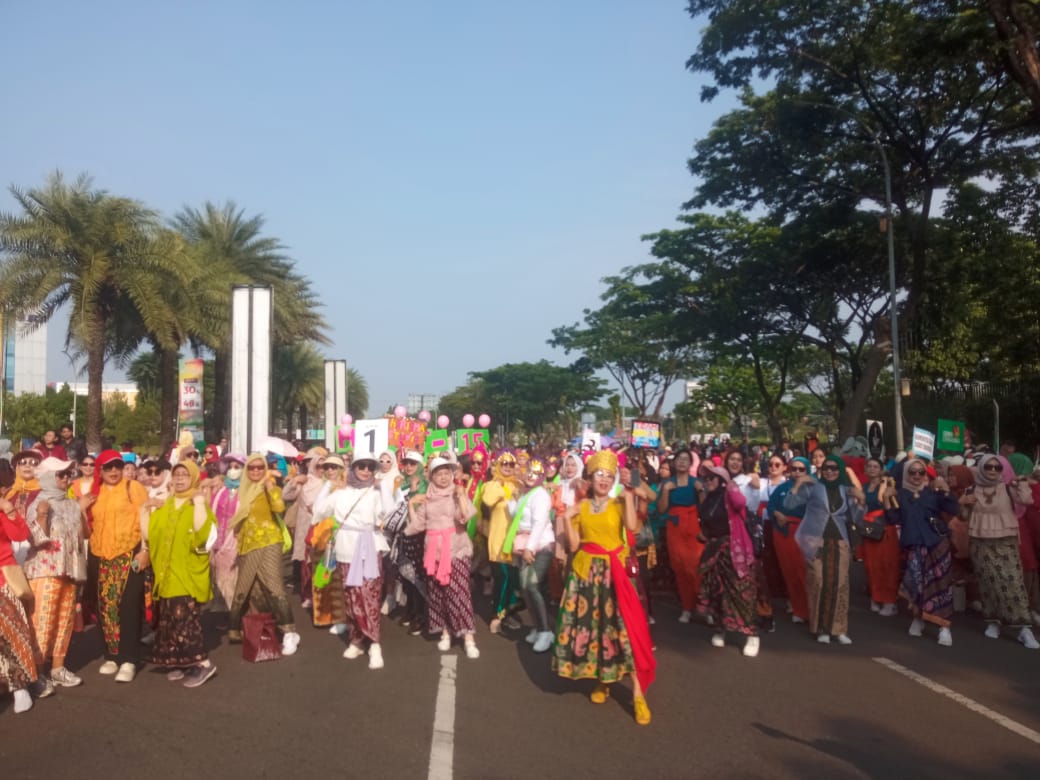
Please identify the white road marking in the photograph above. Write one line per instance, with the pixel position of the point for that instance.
(442, 749)
(971, 704)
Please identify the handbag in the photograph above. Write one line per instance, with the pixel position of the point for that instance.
(938, 526)
(323, 570)
(872, 526)
(18, 584)
(260, 638)
(321, 534)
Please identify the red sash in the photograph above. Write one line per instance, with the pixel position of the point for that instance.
(632, 613)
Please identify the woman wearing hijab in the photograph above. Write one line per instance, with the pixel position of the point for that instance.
(881, 556)
(993, 535)
(832, 505)
(116, 505)
(568, 485)
(357, 509)
(601, 631)
(927, 583)
(788, 553)
(178, 536)
(728, 593)
(532, 541)
(260, 539)
(678, 500)
(498, 492)
(304, 489)
(442, 513)
(25, 486)
(55, 566)
(224, 557)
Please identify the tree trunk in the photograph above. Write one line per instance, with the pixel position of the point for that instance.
(848, 423)
(95, 378)
(169, 396)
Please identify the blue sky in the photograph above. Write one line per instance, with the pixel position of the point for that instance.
(454, 177)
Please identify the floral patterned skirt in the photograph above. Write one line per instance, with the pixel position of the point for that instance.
(731, 600)
(178, 640)
(927, 582)
(17, 644)
(591, 639)
(998, 566)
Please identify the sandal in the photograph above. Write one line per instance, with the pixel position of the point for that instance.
(642, 711)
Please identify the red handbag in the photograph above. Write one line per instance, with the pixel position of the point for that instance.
(260, 638)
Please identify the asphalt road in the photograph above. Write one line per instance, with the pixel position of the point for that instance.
(799, 710)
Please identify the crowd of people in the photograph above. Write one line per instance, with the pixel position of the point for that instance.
(575, 543)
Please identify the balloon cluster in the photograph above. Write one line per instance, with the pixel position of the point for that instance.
(467, 420)
(346, 430)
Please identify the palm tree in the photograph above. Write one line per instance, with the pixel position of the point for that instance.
(233, 250)
(101, 254)
(301, 382)
(357, 395)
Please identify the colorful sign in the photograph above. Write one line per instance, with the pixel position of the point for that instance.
(436, 441)
(951, 435)
(190, 409)
(467, 439)
(590, 440)
(406, 433)
(924, 443)
(646, 433)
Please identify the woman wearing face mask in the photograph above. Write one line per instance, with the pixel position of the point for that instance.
(224, 558)
(678, 501)
(178, 532)
(993, 537)
(927, 582)
(532, 540)
(785, 521)
(56, 565)
(357, 508)
(259, 535)
(602, 632)
(442, 513)
(832, 504)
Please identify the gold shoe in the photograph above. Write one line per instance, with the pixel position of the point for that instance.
(642, 711)
(601, 694)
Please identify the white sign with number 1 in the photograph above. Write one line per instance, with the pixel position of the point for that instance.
(371, 436)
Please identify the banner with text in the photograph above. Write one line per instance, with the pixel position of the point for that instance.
(190, 410)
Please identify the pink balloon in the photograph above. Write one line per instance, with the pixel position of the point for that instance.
(399, 411)
(484, 421)
(467, 420)
(425, 416)
(443, 421)
(345, 429)
(346, 419)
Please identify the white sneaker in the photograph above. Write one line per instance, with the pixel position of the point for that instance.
(875, 607)
(992, 631)
(686, 616)
(532, 636)
(66, 679)
(389, 604)
(352, 652)
(444, 645)
(290, 642)
(945, 637)
(23, 701)
(127, 672)
(916, 627)
(718, 640)
(751, 647)
(824, 639)
(888, 610)
(338, 629)
(843, 639)
(1025, 636)
(471, 651)
(545, 640)
(375, 657)
(109, 667)
(796, 619)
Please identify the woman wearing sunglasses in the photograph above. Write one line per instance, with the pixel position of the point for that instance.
(356, 505)
(927, 582)
(993, 536)
(832, 504)
(258, 527)
(498, 492)
(785, 521)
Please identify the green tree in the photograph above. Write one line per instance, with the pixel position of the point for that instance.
(357, 394)
(28, 415)
(103, 255)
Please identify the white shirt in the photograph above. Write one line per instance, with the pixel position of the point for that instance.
(535, 519)
(356, 510)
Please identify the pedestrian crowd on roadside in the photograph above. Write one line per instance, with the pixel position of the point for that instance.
(562, 549)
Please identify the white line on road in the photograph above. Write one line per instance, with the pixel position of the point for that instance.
(971, 704)
(442, 749)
